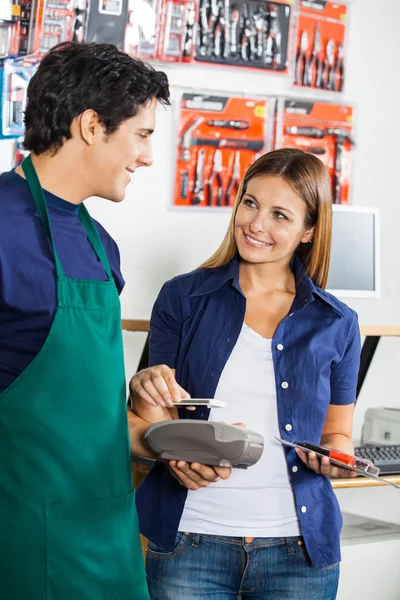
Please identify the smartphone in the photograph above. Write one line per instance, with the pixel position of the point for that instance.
(210, 402)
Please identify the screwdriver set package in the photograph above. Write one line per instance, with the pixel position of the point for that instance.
(15, 74)
(321, 128)
(320, 45)
(219, 138)
(161, 29)
(244, 33)
(52, 22)
(143, 28)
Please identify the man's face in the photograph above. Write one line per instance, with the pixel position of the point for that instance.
(115, 157)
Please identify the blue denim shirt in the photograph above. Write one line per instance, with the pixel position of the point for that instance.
(195, 324)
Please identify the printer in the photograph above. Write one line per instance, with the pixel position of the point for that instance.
(381, 427)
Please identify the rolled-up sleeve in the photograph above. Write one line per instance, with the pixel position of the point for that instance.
(344, 374)
(165, 327)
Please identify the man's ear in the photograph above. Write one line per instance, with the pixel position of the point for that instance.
(308, 236)
(88, 126)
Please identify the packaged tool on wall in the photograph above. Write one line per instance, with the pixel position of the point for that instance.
(14, 78)
(143, 28)
(100, 21)
(240, 33)
(321, 128)
(52, 23)
(246, 33)
(161, 29)
(320, 45)
(219, 138)
(9, 28)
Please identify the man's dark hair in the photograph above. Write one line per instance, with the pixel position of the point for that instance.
(74, 77)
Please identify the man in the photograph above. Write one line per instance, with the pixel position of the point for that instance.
(68, 524)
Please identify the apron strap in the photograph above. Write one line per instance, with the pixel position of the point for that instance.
(94, 238)
(85, 218)
(38, 196)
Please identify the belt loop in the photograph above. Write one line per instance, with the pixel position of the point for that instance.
(195, 540)
(290, 545)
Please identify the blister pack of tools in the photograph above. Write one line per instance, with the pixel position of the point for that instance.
(101, 21)
(219, 138)
(52, 22)
(319, 60)
(321, 128)
(161, 29)
(240, 33)
(14, 78)
(244, 33)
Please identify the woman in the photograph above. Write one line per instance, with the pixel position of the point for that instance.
(253, 326)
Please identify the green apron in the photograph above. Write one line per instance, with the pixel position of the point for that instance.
(68, 522)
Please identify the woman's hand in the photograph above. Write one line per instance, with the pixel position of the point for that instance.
(157, 386)
(194, 476)
(323, 465)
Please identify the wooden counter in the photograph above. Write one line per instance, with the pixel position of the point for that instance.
(362, 482)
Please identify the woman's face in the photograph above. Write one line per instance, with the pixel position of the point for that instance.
(270, 221)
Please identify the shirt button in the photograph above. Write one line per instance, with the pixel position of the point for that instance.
(288, 427)
(303, 509)
(285, 385)
(279, 347)
(295, 469)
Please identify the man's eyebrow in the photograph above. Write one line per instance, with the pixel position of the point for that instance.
(145, 130)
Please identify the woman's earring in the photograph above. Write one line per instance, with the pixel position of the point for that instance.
(310, 242)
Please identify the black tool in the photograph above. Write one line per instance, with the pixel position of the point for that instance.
(328, 80)
(215, 176)
(247, 40)
(229, 124)
(255, 145)
(339, 68)
(314, 150)
(198, 189)
(234, 181)
(300, 71)
(313, 132)
(189, 30)
(341, 137)
(186, 139)
(315, 62)
(184, 184)
(273, 53)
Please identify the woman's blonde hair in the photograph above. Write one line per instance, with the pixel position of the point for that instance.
(308, 177)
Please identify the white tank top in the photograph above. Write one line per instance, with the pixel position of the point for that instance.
(259, 501)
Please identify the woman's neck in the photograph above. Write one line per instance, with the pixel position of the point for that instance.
(266, 277)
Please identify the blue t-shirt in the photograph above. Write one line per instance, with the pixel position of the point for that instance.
(28, 295)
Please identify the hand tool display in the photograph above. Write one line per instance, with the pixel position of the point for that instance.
(52, 22)
(14, 78)
(250, 33)
(321, 128)
(319, 48)
(143, 29)
(219, 138)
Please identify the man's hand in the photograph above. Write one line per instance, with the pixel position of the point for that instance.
(157, 386)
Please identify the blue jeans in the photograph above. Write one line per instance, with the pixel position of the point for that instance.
(222, 568)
